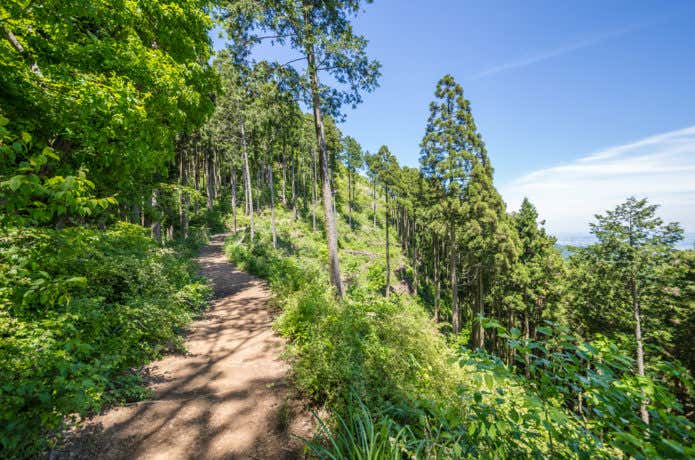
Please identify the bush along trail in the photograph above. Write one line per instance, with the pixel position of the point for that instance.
(226, 397)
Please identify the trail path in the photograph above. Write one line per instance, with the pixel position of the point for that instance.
(227, 398)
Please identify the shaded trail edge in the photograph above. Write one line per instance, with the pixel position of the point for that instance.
(226, 398)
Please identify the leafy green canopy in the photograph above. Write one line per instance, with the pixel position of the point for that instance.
(108, 84)
(634, 247)
(320, 26)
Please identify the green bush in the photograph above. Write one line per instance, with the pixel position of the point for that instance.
(79, 308)
(437, 400)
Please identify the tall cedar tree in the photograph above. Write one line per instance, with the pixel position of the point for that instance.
(322, 32)
(449, 150)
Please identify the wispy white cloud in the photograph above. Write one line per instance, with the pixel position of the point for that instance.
(661, 168)
(552, 53)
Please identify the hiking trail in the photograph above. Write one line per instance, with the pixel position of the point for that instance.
(226, 398)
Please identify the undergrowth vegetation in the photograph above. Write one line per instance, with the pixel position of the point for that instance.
(398, 389)
(80, 310)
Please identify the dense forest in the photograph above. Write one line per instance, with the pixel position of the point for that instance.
(426, 318)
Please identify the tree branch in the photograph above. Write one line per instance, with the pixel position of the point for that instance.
(20, 49)
(294, 60)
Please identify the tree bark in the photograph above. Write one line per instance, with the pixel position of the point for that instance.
(480, 336)
(184, 199)
(283, 195)
(232, 172)
(640, 350)
(156, 226)
(455, 312)
(272, 206)
(247, 174)
(415, 260)
(388, 248)
(374, 201)
(350, 198)
(527, 334)
(331, 226)
(437, 284)
(294, 189)
(313, 189)
(209, 178)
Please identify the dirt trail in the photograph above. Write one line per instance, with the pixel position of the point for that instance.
(227, 398)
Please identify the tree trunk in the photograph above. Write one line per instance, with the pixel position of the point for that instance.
(156, 226)
(388, 248)
(374, 201)
(527, 334)
(283, 195)
(184, 199)
(234, 198)
(640, 350)
(294, 190)
(272, 206)
(437, 283)
(455, 313)
(350, 197)
(247, 174)
(480, 336)
(196, 174)
(415, 261)
(209, 178)
(331, 226)
(313, 189)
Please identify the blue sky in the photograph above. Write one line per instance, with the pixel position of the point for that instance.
(580, 103)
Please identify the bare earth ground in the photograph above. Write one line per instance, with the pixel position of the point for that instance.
(227, 398)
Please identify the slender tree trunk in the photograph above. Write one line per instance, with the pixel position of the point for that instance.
(185, 200)
(331, 226)
(247, 174)
(156, 226)
(313, 190)
(209, 178)
(142, 211)
(374, 201)
(294, 190)
(640, 350)
(455, 311)
(272, 206)
(196, 173)
(481, 310)
(215, 172)
(283, 195)
(527, 335)
(415, 261)
(234, 198)
(388, 247)
(350, 198)
(437, 283)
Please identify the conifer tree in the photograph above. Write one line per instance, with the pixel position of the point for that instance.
(489, 238)
(449, 150)
(628, 263)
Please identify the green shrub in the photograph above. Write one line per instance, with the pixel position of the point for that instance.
(430, 398)
(79, 307)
